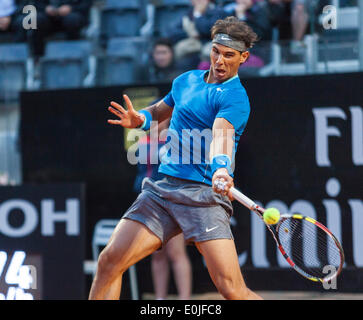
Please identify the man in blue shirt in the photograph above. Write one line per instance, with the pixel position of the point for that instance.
(208, 112)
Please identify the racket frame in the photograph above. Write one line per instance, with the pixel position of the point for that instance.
(251, 205)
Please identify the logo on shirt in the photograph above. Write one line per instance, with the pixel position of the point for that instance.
(219, 89)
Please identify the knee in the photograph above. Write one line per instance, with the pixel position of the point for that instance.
(231, 290)
(108, 263)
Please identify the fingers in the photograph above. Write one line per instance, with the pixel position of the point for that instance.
(130, 107)
(225, 179)
(118, 122)
(119, 111)
(118, 107)
(115, 112)
(227, 185)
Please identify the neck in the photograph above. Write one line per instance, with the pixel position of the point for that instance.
(212, 79)
(209, 76)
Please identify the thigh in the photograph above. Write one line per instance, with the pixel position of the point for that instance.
(130, 242)
(222, 262)
(149, 209)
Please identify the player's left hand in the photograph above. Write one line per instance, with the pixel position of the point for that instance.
(129, 118)
(222, 175)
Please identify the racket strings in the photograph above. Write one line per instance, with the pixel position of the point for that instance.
(309, 247)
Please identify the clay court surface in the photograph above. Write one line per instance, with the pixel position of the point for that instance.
(276, 295)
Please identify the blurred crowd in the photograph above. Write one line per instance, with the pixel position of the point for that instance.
(186, 45)
(66, 16)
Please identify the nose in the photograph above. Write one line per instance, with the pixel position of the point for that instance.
(220, 59)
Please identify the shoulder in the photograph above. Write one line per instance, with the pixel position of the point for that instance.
(191, 75)
(235, 92)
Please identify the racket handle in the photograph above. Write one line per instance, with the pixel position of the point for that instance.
(239, 196)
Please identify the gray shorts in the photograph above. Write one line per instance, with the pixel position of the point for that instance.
(171, 205)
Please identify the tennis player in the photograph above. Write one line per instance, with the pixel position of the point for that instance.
(184, 200)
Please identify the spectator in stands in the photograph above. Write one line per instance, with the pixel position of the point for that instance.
(68, 16)
(174, 252)
(255, 13)
(10, 26)
(296, 12)
(162, 67)
(193, 31)
(299, 24)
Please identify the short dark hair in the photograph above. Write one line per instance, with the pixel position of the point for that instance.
(163, 42)
(236, 29)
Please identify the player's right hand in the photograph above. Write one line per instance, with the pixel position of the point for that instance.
(128, 118)
(223, 176)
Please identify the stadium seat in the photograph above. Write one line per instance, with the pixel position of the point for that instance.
(13, 66)
(122, 59)
(65, 64)
(122, 3)
(116, 70)
(167, 15)
(175, 2)
(138, 46)
(66, 49)
(120, 18)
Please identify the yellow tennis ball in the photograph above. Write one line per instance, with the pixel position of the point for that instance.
(271, 216)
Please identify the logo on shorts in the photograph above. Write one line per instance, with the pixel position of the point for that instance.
(209, 230)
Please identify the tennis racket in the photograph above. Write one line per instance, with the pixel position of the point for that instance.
(301, 240)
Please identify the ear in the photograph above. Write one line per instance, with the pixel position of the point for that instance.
(244, 56)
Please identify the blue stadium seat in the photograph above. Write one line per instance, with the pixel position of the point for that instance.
(175, 2)
(122, 59)
(13, 60)
(65, 64)
(14, 52)
(120, 19)
(138, 46)
(167, 15)
(116, 70)
(122, 4)
(75, 49)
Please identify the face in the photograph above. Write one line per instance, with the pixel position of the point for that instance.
(225, 62)
(245, 3)
(4, 23)
(162, 56)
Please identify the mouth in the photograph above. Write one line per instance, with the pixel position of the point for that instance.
(220, 72)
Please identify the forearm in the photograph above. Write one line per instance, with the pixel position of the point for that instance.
(222, 143)
(221, 154)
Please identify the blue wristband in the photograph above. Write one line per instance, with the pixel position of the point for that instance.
(147, 122)
(221, 161)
